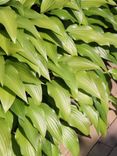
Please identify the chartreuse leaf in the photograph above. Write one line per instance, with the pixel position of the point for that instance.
(105, 12)
(30, 132)
(88, 51)
(18, 108)
(25, 146)
(47, 5)
(11, 78)
(35, 91)
(37, 116)
(86, 4)
(48, 23)
(53, 123)
(94, 35)
(61, 97)
(102, 127)
(70, 140)
(39, 45)
(25, 73)
(65, 73)
(5, 138)
(6, 98)
(78, 63)
(4, 43)
(114, 73)
(2, 69)
(79, 120)
(92, 114)
(96, 21)
(63, 14)
(8, 19)
(84, 99)
(49, 148)
(86, 82)
(26, 24)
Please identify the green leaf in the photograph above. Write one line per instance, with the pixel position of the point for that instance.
(8, 19)
(6, 98)
(84, 99)
(5, 138)
(92, 114)
(50, 149)
(78, 63)
(11, 78)
(25, 146)
(102, 127)
(37, 116)
(53, 123)
(35, 91)
(3, 2)
(87, 83)
(79, 120)
(65, 73)
(27, 25)
(70, 140)
(61, 98)
(47, 5)
(2, 69)
(114, 73)
(86, 4)
(39, 45)
(30, 132)
(88, 51)
(19, 108)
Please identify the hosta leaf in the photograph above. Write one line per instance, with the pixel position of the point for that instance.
(79, 120)
(78, 63)
(102, 127)
(37, 116)
(47, 23)
(18, 108)
(86, 4)
(61, 97)
(105, 13)
(27, 25)
(30, 132)
(5, 138)
(39, 45)
(63, 14)
(4, 42)
(11, 78)
(8, 19)
(92, 114)
(25, 146)
(47, 5)
(70, 140)
(51, 50)
(97, 21)
(88, 51)
(64, 72)
(73, 4)
(114, 73)
(25, 74)
(87, 83)
(2, 69)
(35, 91)
(28, 3)
(53, 124)
(6, 98)
(84, 99)
(31, 65)
(101, 111)
(50, 149)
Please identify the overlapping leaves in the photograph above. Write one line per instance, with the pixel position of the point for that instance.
(53, 73)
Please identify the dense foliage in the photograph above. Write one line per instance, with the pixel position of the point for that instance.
(54, 81)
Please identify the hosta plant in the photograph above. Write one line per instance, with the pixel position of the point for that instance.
(54, 80)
